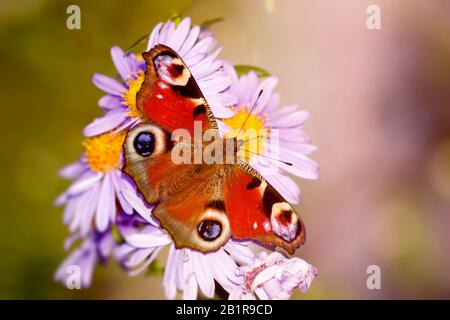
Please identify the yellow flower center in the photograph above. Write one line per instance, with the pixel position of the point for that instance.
(250, 128)
(129, 96)
(103, 151)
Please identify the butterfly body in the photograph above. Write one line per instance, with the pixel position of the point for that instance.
(201, 203)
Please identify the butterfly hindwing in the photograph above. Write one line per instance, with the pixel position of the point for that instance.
(195, 216)
(257, 211)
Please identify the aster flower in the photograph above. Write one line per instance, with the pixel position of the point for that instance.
(277, 145)
(98, 183)
(273, 277)
(194, 45)
(95, 249)
(186, 270)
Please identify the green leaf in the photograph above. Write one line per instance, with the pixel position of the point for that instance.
(116, 234)
(155, 268)
(210, 22)
(138, 42)
(177, 18)
(244, 69)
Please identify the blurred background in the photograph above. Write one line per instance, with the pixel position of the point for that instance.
(380, 114)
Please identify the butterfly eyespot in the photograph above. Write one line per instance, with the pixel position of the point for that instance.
(145, 140)
(284, 221)
(144, 143)
(171, 69)
(209, 230)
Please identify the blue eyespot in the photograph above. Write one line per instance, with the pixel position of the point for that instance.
(144, 144)
(209, 230)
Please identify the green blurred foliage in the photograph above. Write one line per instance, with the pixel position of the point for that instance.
(244, 69)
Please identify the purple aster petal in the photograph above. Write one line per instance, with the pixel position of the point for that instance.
(139, 206)
(306, 283)
(123, 251)
(304, 148)
(85, 182)
(87, 268)
(241, 253)
(85, 258)
(265, 87)
(106, 245)
(148, 240)
(121, 62)
(87, 209)
(290, 120)
(106, 203)
(145, 265)
(208, 65)
(301, 165)
(61, 199)
(248, 85)
(293, 135)
(69, 211)
(69, 241)
(272, 104)
(73, 170)
(190, 291)
(169, 274)
(117, 182)
(138, 256)
(301, 170)
(231, 72)
(214, 84)
(154, 36)
(109, 102)
(190, 40)
(223, 128)
(285, 111)
(80, 200)
(166, 32)
(203, 274)
(128, 123)
(264, 276)
(186, 276)
(223, 268)
(176, 40)
(221, 100)
(283, 184)
(194, 58)
(221, 112)
(104, 124)
(108, 84)
(202, 46)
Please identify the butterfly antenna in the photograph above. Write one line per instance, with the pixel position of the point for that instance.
(257, 137)
(250, 112)
(267, 157)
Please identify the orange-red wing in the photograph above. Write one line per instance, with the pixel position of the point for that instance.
(257, 211)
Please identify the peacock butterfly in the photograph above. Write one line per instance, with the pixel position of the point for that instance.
(200, 205)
